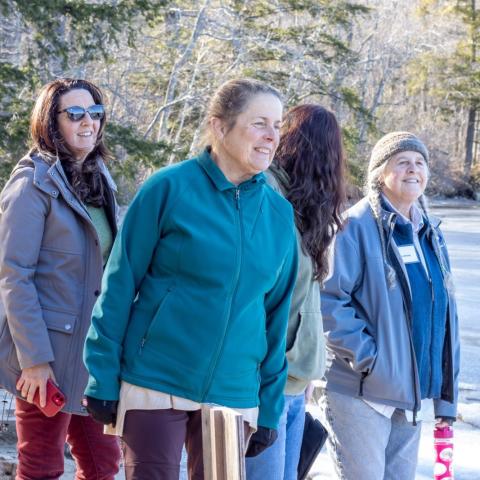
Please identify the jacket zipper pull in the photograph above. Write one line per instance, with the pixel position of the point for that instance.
(360, 390)
(237, 198)
(141, 346)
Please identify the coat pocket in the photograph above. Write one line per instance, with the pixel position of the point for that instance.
(61, 327)
(8, 376)
(156, 318)
(59, 321)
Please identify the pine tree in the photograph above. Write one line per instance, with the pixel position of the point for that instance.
(43, 40)
(453, 78)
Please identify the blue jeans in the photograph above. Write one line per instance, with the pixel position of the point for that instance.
(366, 445)
(280, 461)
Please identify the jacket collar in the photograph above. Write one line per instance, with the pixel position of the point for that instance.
(218, 178)
(48, 173)
(434, 221)
(41, 165)
(106, 174)
(417, 219)
(390, 215)
(281, 177)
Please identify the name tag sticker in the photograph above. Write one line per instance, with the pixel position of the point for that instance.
(408, 254)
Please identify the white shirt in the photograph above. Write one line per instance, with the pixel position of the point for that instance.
(133, 397)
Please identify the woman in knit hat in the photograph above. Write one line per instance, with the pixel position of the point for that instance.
(390, 320)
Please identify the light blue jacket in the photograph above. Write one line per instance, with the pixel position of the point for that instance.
(369, 339)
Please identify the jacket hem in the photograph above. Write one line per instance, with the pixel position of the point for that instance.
(352, 390)
(295, 386)
(164, 387)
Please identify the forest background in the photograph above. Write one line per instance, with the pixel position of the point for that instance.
(380, 65)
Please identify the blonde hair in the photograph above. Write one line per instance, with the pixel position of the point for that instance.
(230, 100)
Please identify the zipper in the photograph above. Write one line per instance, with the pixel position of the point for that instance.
(438, 252)
(432, 293)
(147, 334)
(360, 390)
(414, 364)
(214, 362)
(407, 303)
(391, 226)
(237, 198)
(446, 274)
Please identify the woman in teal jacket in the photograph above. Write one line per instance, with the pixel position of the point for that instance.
(196, 295)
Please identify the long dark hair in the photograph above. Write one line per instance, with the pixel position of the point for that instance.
(311, 153)
(46, 139)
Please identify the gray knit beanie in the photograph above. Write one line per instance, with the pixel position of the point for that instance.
(393, 143)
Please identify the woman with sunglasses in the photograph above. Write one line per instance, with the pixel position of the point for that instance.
(57, 225)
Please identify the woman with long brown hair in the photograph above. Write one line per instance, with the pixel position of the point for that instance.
(309, 170)
(57, 224)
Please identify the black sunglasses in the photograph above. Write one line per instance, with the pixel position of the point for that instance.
(76, 113)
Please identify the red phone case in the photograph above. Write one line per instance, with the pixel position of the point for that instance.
(55, 400)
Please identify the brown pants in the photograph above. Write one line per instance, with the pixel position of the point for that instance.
(153, 441)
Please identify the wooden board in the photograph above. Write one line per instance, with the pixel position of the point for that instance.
(223, 443)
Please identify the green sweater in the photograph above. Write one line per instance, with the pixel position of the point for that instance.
(104, 231)
(196, 292)
(305, 339)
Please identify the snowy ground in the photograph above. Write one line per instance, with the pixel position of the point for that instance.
(466, 450)
(461, 225)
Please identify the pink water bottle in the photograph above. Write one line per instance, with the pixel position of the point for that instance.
(443, 444)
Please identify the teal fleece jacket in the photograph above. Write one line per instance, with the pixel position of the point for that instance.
(196, 293)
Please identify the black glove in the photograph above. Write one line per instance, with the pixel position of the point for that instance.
(260, 440)
(103, 411)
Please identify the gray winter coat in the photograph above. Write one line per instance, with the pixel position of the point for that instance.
(50, 274)
(369, 340)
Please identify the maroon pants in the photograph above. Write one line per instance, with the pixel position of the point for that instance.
(41, 442)
(153, 441)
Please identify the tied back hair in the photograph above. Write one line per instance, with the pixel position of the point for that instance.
(374, 190)
(230, 100)
(311, 153)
